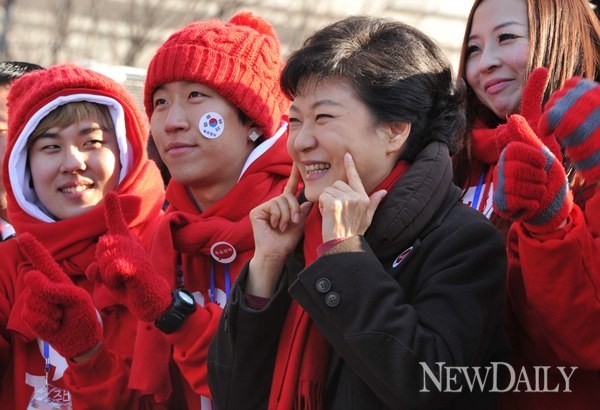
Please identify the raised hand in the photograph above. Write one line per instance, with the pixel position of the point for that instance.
(531, 110)
(530, 184)
(125, 269)
(533, 96)
(346, 208)
(278, 225)
(57, 310)
(572, 115)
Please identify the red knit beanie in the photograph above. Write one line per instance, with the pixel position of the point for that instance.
(239, 59)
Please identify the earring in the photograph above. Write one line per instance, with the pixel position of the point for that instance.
(254, 136)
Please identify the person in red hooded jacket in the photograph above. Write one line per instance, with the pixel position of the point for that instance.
(75, 137)
(545, 198)
(218, 118)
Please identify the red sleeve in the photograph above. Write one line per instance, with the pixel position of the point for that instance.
(554, 290)
(102, 380)
(190, 346)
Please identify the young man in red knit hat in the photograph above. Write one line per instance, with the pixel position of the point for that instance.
(75, 137)
(217, 116)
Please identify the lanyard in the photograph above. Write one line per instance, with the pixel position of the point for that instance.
(475, 203)
(227, 276)
(47, 359)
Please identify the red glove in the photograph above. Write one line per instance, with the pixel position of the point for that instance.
(531, 110)
(57, 310)
(125, 269)
(530, 183)
(572, 115)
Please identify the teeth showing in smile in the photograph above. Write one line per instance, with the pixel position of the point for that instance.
(313, 168)
(73, 189)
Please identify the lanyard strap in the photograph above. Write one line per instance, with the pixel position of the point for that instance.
(227, 276)
(47, 359)
(475, 203)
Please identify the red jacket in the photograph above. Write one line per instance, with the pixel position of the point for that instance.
(553, 288)
(100, 382)
(553, 302)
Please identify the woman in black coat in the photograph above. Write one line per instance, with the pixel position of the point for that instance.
(380, 290)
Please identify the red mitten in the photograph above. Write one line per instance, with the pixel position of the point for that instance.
(57, 310)
(530, 184)
(531, 110)
(573, 115)
(125, 269)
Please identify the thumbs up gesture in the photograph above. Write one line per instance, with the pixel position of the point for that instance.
(530, 184)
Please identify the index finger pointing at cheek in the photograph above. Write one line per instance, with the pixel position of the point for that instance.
(353, 178)
(292, 185)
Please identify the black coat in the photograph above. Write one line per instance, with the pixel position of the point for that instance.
(386, 316)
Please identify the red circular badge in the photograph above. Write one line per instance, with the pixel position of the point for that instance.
(223, 252)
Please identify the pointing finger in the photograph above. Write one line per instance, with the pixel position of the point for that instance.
(40, 258)
(533, 94)
(115, 222)
(292, 184)
(353, 178)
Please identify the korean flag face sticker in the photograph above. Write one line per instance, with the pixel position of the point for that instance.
(211, 125)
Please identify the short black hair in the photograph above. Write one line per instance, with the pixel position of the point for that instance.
(397, 71)
(11, 70)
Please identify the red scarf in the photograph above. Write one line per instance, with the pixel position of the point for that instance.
(188, 232)
(485, 145)
(303, 352)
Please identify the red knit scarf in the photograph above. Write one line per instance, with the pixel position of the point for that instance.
(188, 232)
(303, 353)
(484, 145)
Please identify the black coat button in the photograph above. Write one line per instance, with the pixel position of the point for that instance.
(332, 299)
(323, 285)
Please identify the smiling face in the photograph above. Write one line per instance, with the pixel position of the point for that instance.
(72, 168)
(326, 121)
(210, 166)
(497, 54)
